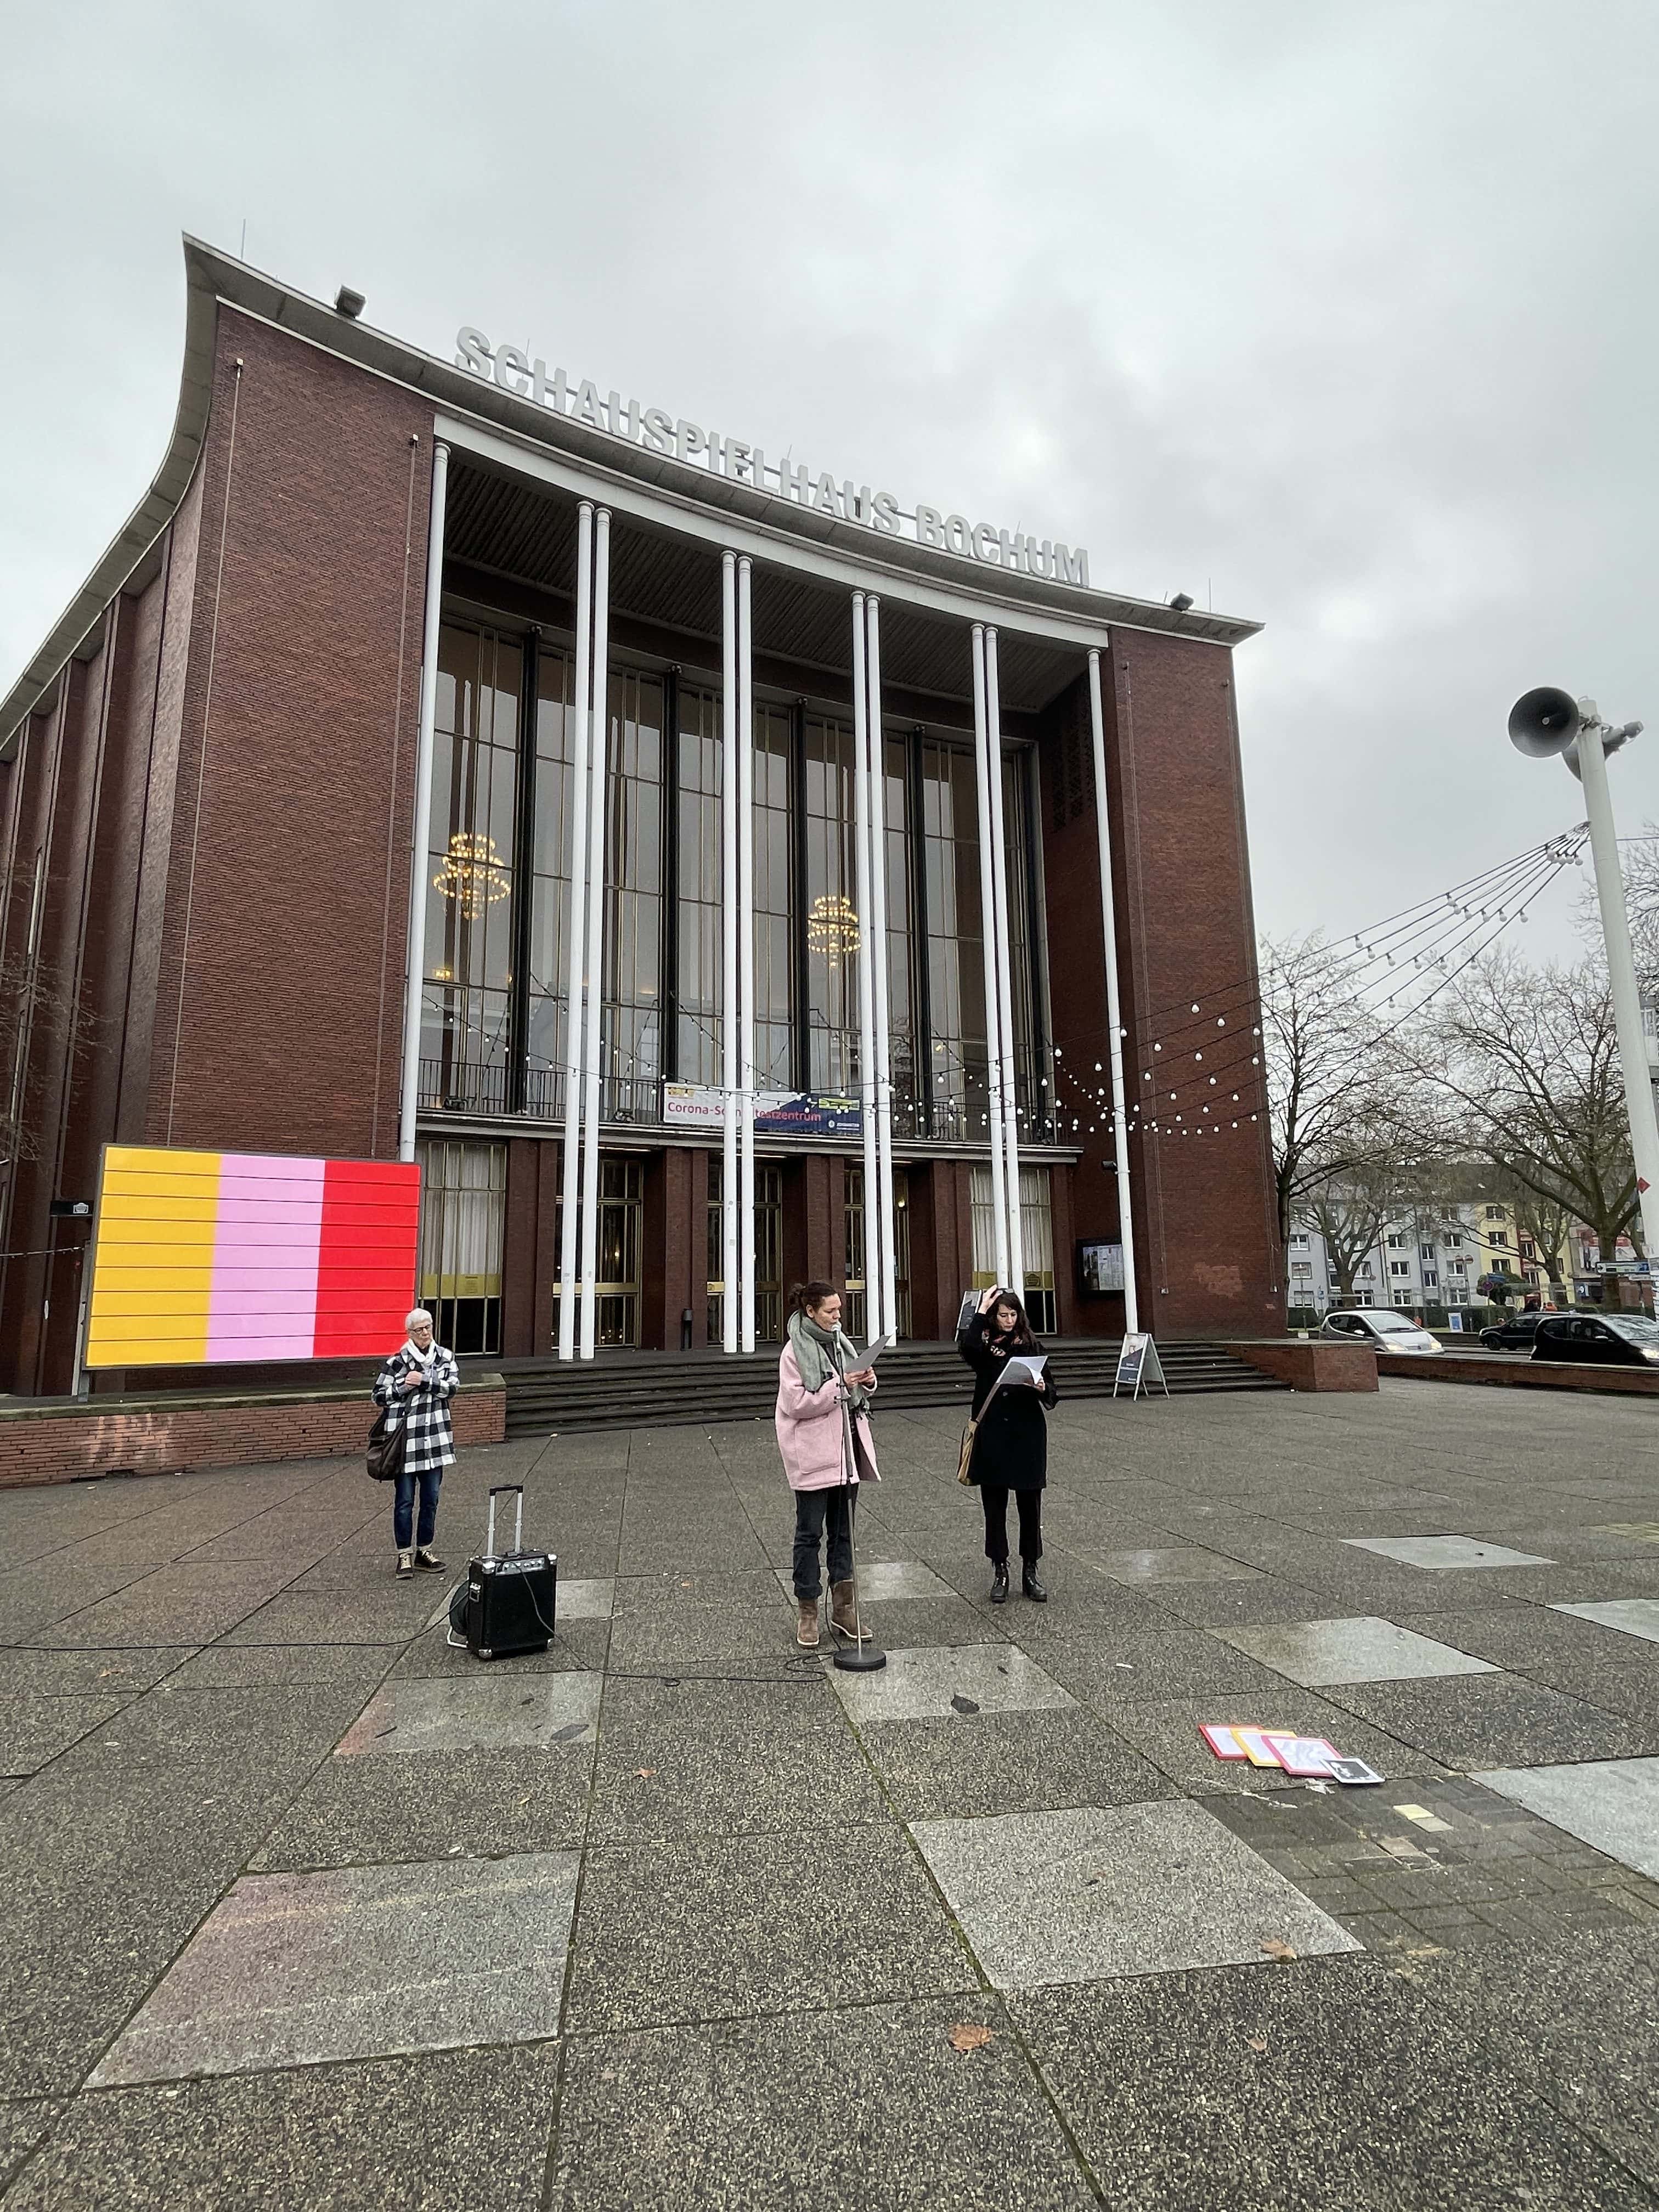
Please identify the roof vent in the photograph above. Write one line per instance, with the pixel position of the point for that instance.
(349, 303)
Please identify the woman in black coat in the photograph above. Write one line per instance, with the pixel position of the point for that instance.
(1010, 1446)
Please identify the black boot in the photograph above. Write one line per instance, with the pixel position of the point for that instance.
(1029, 1584)
(999, 1582)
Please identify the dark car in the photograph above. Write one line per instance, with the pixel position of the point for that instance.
(1515, 1335)
(1621, 1340)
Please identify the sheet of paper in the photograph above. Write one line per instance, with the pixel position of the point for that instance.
(1221, 1741)
(1354, 1772)
(1257, 1749)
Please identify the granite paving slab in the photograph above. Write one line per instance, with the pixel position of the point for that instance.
(1325, 2085)
(294, 1969)
(1611, 1804)
(716, 1928)
(433, 2133)
(880, 1579)
(1094, 1891)
(1008, 1763)
(1631, 1616)
(33, 1729)
(871, 2107)
(1439, 1552)
(937, 1684)
(23, 2124)
(1166, 1731)
(660, 1778)
(1361, 1650)
(443, 1804)
(479, 1712)
(1178, 1563)
(1476, 1721)
(96, 1674)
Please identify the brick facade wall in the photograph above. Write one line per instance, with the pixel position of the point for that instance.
(1208, 1260)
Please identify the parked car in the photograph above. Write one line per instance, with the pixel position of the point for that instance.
(1381, 1327)
(1515, 1335)
(1619, 1340)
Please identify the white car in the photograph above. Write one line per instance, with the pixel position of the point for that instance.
(1381, 1327)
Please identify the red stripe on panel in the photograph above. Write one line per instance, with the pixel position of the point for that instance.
(365, 1264)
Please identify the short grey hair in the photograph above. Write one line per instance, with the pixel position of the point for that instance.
(412, 1320)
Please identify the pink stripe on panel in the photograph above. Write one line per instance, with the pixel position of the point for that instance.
(263, 1299)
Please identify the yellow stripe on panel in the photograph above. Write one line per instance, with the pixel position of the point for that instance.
(157, 1222)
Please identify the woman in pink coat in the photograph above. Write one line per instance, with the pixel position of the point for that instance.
(813, 1377)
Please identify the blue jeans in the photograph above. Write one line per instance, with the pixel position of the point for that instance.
(402, 1506)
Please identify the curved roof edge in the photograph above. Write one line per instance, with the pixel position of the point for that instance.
(213, 277)
(139, 533)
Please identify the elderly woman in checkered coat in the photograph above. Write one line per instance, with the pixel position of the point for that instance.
(417, 1383)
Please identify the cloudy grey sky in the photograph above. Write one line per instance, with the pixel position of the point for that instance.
(1340, 317)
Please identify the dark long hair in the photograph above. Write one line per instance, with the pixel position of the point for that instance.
(1019, 1338)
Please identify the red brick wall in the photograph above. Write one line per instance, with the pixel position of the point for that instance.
(308, 584)
(1206, 1255)
(59, 1445)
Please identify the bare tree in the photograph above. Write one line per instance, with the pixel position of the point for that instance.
(32, 1002)
(1331, 1095)
(1524, 1066)
(1349, 1211)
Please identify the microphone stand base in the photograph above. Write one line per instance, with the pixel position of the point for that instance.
(860, 1658)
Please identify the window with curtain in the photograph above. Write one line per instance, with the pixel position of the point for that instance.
(466, 1003)
(463, 1222)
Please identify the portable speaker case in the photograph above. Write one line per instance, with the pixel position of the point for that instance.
(510, 1595)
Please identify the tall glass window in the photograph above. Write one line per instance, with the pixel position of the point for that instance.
(1036, 1234)
(956, 943)
(834, 925)
(854, 1303)
(775, 905)
(699, 981)
(466, 1003)
(633, 1012)
(545, 1037)
(463, 1220)
(901, 981)
(1032, 1097)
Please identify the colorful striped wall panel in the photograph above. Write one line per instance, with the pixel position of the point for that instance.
(204, 1258)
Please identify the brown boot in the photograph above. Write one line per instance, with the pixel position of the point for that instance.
(843, 1616)
(806, 1623)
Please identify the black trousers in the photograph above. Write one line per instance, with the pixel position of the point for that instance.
(993, 1495)
(815, 1510)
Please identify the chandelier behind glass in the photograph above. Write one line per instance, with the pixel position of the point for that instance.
(832, 926)
(472, 873)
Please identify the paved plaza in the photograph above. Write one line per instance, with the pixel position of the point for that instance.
(304, 1908)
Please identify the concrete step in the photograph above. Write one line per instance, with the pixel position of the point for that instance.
(622, 1390)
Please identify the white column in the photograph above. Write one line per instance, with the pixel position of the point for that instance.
(1114, 1001)
(582, 721)
(987, 927)
(592, 1038)
(731, 1075)
(888, 1316)
(1622, 976)
(414, 971)
(746, 954)
(1005, 1030)
(864, 895)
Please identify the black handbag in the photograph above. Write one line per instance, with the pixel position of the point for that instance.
(387, 1441)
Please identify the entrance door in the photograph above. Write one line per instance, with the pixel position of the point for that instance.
(617, 1290)
(769, 1254)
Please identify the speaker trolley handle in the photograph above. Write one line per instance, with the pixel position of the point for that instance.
(514, 1490)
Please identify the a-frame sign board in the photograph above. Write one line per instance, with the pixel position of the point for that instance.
(1138, 1367)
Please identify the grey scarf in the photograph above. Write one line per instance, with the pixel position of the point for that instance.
(822, 1352)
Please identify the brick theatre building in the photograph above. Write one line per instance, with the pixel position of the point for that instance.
(455, 757)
